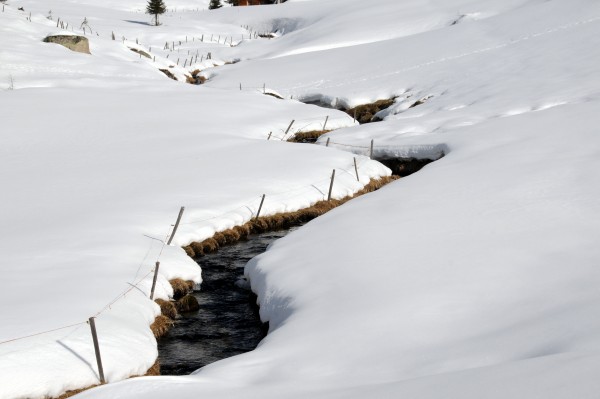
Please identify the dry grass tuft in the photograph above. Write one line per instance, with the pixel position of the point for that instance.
(279, 221)
(154, 370)
(168, 73)
(181, 287)
(307, 137)
(140, 52)
(365, 113)
(167, 308)
(195, 78)
(161, 326)
(188, 303)
(74, 392)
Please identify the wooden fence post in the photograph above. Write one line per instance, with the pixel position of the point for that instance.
(97, 350)
(289, 127)
(176, 225)
(331, 186)
(327, 144)
(154, 280)
(372, 142)
(325, 124)
(356, 169)
(262, 201)
(269, 138)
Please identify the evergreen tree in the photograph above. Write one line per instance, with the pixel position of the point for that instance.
(214, 4)
(156, 7)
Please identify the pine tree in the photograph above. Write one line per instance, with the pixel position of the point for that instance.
(214, 4)
(156, 7)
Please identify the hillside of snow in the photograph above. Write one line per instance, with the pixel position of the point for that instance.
(475, 277)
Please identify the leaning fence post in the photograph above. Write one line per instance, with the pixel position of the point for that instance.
(176, 225)
(327, 144)
(97, 349)
(289, 127)
(331, 186)
(269, 138)
(356, 169)
(372, 141)
(262, 201)
(154, 280)
(325, 124)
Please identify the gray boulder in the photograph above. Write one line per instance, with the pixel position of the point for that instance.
(76, 43)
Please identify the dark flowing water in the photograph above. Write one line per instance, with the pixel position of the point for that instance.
(227, 323)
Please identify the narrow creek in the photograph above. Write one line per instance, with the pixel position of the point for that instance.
(227, 323)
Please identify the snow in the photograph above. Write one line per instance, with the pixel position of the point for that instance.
(475, 277)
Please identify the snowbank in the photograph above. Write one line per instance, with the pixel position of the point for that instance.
(474, 278)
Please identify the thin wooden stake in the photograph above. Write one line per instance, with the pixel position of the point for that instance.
(325, 124)
(240, 87)
(262, 201)
(264, 88)
(269, 138)
(154, 280)
(327, 144)
(356, 169)
(97, 349)
(372, 141)
(289, 127)
(176, 225)
(331, 186)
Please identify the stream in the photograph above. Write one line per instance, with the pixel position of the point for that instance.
(227, 323)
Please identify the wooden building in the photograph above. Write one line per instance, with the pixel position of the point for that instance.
(249, 2)
(256, 2)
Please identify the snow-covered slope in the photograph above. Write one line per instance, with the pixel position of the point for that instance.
(473, 278)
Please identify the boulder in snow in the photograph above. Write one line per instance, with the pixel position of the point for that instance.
(76, 43)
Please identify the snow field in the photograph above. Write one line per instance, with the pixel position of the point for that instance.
(474, 278)
(93, 179)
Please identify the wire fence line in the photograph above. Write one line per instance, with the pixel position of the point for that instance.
(250, 204)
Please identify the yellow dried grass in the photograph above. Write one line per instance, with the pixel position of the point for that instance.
(167, 308)
(307, 137)
(181, 287)
(278, 221)
(188, 303)
(162, 325)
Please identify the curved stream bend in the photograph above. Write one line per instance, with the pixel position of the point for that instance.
(227, 323)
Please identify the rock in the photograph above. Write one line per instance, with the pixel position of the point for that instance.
(76, 43)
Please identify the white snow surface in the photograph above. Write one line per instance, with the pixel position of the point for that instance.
(476, 277)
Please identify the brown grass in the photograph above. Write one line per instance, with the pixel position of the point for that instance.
(140, 52)
(168, 73)
(74, 392)
(181, 287)
(280, 221)
(167, 308)
(307, 137)
(195, 78)
(188, 303)
(152, 371)
(161, 326)
(365, 113)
